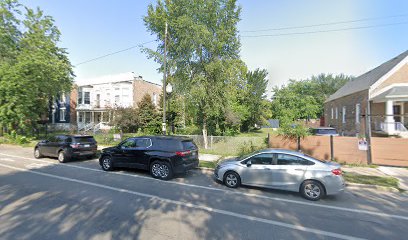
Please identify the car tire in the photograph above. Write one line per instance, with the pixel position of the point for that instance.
(106, 163)
(37, 153)
(312, 190)
(161, 170)
(62, 157)
(232, 179)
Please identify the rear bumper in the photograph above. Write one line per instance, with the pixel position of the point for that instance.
(78, 154)
(184, 167)
(335, 185)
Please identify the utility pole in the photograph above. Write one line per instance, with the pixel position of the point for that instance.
(164, 82)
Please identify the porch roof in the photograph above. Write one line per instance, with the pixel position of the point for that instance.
(396, 93)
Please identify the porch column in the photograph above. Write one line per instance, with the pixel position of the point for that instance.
(92, 117)
(77, 117)
(389, 119)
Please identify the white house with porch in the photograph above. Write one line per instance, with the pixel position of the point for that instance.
(98, 96)
(378, 97)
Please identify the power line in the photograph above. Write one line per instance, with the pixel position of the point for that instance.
(325, 24)
(323, 31)
(113, 53)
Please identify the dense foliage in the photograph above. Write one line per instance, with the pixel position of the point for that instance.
(33, 69)
(204, 65)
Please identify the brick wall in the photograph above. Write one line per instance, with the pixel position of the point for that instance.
(73, 104)
(350, 127)
(141, 87)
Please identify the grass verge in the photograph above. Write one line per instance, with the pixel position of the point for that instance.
(372, 180)
(207, 164)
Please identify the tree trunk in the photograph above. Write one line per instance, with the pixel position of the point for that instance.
(205, 134)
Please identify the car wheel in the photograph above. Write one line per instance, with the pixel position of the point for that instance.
(62, 158)
(161, 170)
(37, 153)
(232, 179)
(312, 190)
(106, 163)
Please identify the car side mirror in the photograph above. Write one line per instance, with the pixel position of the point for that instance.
(249, 163)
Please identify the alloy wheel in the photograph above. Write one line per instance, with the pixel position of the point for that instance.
(37, 153)
(231, 180)
(61, 157)
(312, 190)
(106, 163)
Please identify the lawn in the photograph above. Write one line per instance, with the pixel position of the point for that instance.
(372, 180)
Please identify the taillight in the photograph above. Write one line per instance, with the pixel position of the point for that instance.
(75, 145)
(337, 171)
(182, 154)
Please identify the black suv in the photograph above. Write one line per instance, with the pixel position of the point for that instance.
(162, 155)
(66, 147)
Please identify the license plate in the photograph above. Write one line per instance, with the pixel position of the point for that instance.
(87, 145)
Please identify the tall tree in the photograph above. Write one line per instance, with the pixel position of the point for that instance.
(255, 90)
(203, 51)
(149, 118)
(305, 99)
(37, 71)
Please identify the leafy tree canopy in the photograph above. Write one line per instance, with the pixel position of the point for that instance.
(33, 69)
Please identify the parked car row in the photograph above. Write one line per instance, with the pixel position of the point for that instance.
(164, 156)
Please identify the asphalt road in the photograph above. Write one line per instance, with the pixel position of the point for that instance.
(43, 199)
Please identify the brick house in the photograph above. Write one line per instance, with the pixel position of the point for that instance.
(96, 97)
(382, 93)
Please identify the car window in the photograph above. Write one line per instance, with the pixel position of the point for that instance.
(188, 145)
(59, 139)
(128, 143)
(262, 159)
(84, 139)
(143, 142)
(168, 145)
(287, 159)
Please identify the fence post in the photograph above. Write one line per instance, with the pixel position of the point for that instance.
(331, 148)
(211, 141)
(298, 144)
(269, 140)
(368, 133)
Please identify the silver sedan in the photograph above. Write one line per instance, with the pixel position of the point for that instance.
(283, 169)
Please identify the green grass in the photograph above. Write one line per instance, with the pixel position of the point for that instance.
(263, 132)
(207, 164)
(372, 180)
(359, 165)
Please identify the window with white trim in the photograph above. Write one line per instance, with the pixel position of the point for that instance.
(332, 113)
(358, 113)
(344, 115)
(337, 113)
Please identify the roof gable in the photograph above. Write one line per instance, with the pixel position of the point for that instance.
(365, 81)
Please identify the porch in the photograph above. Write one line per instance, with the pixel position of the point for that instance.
(388, 112)
(93, 120)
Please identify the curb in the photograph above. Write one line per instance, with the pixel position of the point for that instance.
(369, 186)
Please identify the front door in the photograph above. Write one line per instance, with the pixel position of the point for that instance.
(397, 113)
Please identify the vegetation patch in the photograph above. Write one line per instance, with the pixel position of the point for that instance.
(372, 180)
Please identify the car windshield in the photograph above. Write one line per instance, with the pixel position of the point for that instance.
(326, 131)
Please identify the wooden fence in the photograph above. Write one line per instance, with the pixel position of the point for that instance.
(384, 151)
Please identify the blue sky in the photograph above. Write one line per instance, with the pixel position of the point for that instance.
(97, 27)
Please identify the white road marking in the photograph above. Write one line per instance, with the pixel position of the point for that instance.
(7, 159)
(228, 191)
(37, 165)
(194, 206)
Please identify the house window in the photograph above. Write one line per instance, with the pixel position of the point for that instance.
(87, 98)
(62, 115)
(358, 113)
(344, 114)
(337, 113)
(332, 113)
(80, 97)
(62, 98)
(117, 99)
(80, 117)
